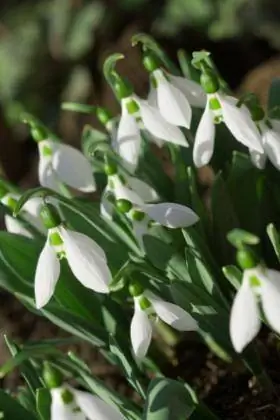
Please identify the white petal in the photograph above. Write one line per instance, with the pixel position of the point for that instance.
(140, 228)
(128, 140)
(86, 260)
(123, 192)
(152, 97)
(46, 174)
(204, 139)
(171, 215)
(258, 159)
(46, 275)
(140, 331)
(240, 123)
(61, 411)
(271, 144)
(13, 225)
(172, 104)
(32, 213)
(159, 127)
(172, 314)
(94, 408)
(106, 207)
(275, 124)
(192, 90)
(270, 297)
(244, 318)
(73, 168)
(144, 190)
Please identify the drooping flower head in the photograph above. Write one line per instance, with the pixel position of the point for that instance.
(149, 307)
(61, 163)
(30, 213)
(173, 95)
(222, 108)
(86, 259)
(259, 285)
(138, 114)
(68, 403)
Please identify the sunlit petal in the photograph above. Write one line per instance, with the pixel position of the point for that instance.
(204, 139)
(62, 411)
(172, 314)
(140, 331)
(244, 318)
(240, 123)
(172, 104)
(46, 275)
(73, 168)
(271, 144)
(144, 190)
(94, 408)
(86, 260)
(155, 123)
(270, 297)
(171, 215)
(192, 90)
(258, 159)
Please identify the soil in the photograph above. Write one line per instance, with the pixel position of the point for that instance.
(230, 391)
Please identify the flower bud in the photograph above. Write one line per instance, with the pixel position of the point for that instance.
(123, 205)
(38, 133)
(246, 259)
(103, 115)
(50, 216)
(137, 215)
(150, 62)
(51, 376)
(135, 289)
(110, 168)
(122, 88)
(209, 81)
(144, 303)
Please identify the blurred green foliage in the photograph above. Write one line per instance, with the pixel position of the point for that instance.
(45, 44)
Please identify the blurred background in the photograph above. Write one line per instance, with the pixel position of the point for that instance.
(53, 50)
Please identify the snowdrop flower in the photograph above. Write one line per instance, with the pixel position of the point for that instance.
(148, 306)
(71, 404)
(222, 108)
(30, 213)
(173, 95)
(138, 114)
(258, 284)
(86, 259)
(144, 190)
(68, 403)
(270, 137)
(61, 163)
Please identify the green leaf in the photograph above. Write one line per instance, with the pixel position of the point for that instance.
(239, 237)
(109, 67)
(274, 237)
(234, 275)
(11, 409)
(127, 363)
(43, 403)
(224, 219)
(168, 400)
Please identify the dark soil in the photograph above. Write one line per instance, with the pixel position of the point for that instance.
(229, 390)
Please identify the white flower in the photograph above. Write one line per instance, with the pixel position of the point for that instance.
(220, 108)
(257, 284)
(141, 324)
(144, 116)
(71, 404)
(85, 258)
(171, 215)
(174, 95)
(271, 143)
(60, 163)
(30, 213)
(145, 192)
